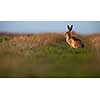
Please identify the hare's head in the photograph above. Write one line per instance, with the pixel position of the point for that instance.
(68, 33)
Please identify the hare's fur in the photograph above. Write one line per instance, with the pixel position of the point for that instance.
(71, 40)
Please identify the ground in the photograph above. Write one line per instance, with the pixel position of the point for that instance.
(48, 55)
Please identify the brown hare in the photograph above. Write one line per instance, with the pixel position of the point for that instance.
(71, 40)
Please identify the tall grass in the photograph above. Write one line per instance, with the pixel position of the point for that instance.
(47, 55)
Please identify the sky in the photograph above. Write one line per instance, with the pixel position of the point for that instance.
(49, 26)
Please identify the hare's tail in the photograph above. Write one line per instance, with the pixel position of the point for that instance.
(81, 44)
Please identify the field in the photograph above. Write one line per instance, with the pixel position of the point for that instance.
(48, 55)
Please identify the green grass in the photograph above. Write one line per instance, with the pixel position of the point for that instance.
(47, 55)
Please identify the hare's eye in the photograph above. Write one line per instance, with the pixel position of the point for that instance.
(67, 32)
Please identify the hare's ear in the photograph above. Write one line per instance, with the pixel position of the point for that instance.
(71, 27)
(68, 27)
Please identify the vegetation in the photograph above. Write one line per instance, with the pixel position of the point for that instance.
(48, 55)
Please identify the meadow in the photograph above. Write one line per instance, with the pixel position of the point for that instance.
(48, 55)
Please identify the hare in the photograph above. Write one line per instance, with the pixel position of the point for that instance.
(72, 41)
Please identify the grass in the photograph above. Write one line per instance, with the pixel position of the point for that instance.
(48, 55)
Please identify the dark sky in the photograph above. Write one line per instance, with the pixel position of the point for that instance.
(49, 26)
